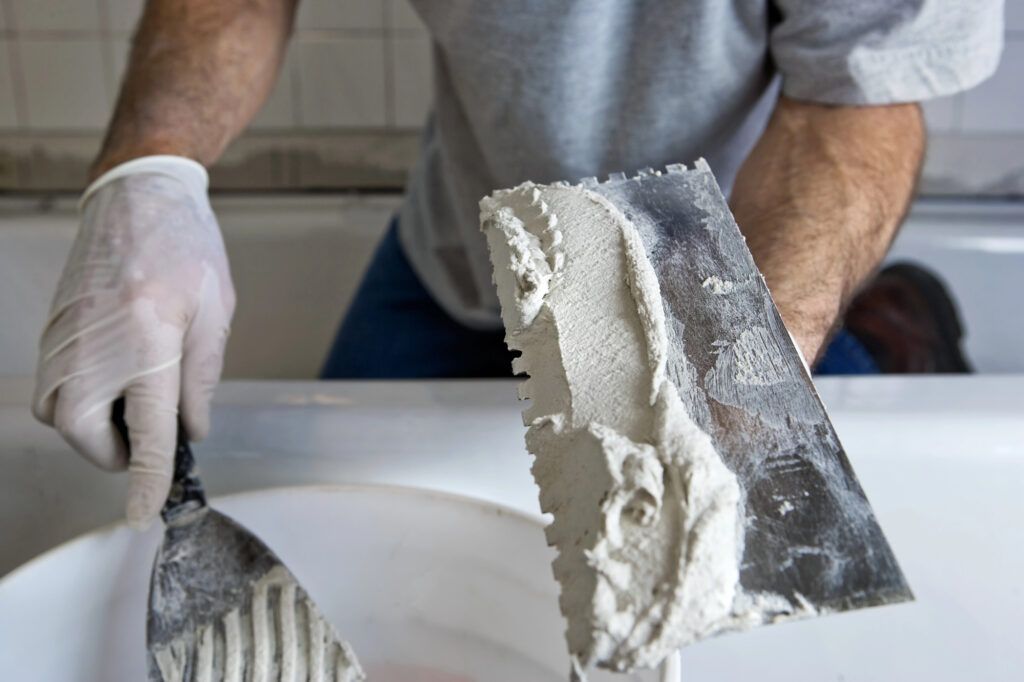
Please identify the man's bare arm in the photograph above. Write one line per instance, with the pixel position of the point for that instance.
(199, 71)
(820, 199)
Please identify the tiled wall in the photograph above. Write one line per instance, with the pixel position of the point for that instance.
(61, 62)
(77, 48)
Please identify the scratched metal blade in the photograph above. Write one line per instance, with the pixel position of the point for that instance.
(223, 607)
(811, 535)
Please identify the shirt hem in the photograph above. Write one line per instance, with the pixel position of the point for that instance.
(479, 320)
(922, 73)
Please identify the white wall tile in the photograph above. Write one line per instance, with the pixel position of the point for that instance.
(940, 115)
(8, 114)
(340, 14)
(65, 84)
(1015, 15)
(341, 82)
(413, 79)
(50, 15)
(404, 17)
(279, 110)
(997, 105)
(122, 15)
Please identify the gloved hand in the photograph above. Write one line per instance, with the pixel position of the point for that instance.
(143, 310)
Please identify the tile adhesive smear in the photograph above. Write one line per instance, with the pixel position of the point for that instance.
(648, 518)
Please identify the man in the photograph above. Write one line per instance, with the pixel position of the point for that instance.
(533, 90)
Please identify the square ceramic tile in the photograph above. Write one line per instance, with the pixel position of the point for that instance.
(340, 14)
(65, 84)
(341, 82)
(279, 110)
(997, 105)
(404, 17)
(122, 15)
(55, 15)
(413, 79)
(8, 114)
(940, 115)
(1015, 15)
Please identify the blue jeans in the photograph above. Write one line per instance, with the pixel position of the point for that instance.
(395, 330)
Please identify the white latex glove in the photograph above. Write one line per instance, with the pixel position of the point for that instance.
(143, 310)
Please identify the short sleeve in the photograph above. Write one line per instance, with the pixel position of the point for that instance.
(884, 51)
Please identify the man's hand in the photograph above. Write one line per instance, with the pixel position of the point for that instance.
(145, 301)
(820, 199)
(142, 310)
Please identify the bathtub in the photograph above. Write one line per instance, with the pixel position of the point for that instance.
(940, 457)
(296, 261)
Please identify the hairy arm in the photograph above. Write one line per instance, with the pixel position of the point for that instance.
(199, 71)
(820, 199)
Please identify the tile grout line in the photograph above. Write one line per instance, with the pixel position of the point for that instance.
(390, 115)
(300, 34)
(292, 173)
(57, 34)
(295, 72)
(326, 34)
(107, 56)
(18, 84)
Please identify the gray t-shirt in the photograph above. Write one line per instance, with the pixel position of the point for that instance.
(544, 91)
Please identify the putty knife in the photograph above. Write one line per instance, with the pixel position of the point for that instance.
(222, 606)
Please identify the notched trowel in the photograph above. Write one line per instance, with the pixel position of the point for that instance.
(810, 541)
(222, 606)
(811, 535)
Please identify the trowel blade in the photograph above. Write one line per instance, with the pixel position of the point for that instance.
(811, 536)
(223, 607)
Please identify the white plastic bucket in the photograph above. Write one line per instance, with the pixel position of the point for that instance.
(427, 587)
(430, 587)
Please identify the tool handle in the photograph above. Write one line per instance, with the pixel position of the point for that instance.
(186, 488)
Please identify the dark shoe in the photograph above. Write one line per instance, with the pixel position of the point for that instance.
(908, 322)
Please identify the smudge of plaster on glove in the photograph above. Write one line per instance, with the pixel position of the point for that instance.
(278, 635)
(656, 566)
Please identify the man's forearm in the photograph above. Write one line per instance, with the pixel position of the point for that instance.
(820, 199)
(199, 71)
